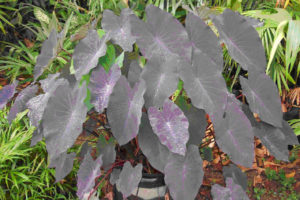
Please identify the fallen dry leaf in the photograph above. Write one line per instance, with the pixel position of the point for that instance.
(290, 175)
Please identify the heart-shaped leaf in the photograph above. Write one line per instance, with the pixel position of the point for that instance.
(231, 191)
(63, 118)
(197, 124)
(88, 51)
(234, 134)
(161, 80)
(171, 126)
(37, 104)
(150, 145)
(129, 178)
(6, 93)
(204, 83)
(276, 139)
(63, 165)
(48, 53)
(204, 38)
(262, 95)
(236, 174)
(184, 174)
(119, 28)
(89, 169)
(20, 103)
(114, 176)
(107, 150)
(161, 36)
(242, 40)
(101, 86)
(124, 110)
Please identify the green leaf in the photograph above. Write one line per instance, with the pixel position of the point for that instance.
(109, 58)
(292, 43)
(67, 25)
(119, 60)
(280, 16)
(279, 35)
(87, 100)
(100, 32)
(295, 124)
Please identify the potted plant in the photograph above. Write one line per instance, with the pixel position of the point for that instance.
(137, 104)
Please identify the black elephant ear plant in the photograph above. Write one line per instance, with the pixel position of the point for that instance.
(138, 107)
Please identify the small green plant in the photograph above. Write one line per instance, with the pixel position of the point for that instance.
(24, 169)
(258, 192)
(271, 174)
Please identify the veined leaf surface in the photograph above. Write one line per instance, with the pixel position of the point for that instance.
(129, 178)
(262, 95)
(88, 51)
(101, 86)
(124, 110)
(161, 36)
(184, 174)
(89, 169)
(6, 93)
(171, 126)
(63, 118)
(242, 40)
(119, 28)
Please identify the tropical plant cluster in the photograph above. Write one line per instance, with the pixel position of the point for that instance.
(136, 99)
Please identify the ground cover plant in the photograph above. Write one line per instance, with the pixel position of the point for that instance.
(24, 169)
(163, 127)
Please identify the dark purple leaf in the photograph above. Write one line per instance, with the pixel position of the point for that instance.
(134, 73)
(20, 103)
(88, 51)
(114, 176)
(242, 40)
(47, 84)
(63, 118)
(204, 83)
(204, 38)
(6, 93)
(161, 35)
(124, 110)
(37, 136)
(101, 86)
(85, 148)
(197, 124)
(48, 53)
(88, 171)
(234, 134)
(63, 165)
(262, 95)
(108, 152)
(129, 178)
(119, 28)
(161, 80)
(230, 192)
(171, 126)
(236, 174)
(150, 145)
(184, 174)
(65, 73)
(276, 139)
(37, 104)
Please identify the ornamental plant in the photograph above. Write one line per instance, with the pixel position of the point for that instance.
(137, 103)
